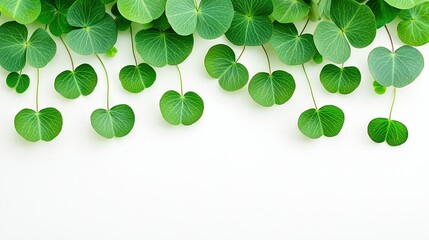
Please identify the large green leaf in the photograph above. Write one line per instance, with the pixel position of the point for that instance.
(251, 25)
(34, 126)
(269, 89)
(19, 82)
(405, 4)
(54, 13)
(331, 42)
(383, 12)
(414, 29)
(211, 18)
(115, 122)
(80, 82)
(384, 130)
(23, 11)
(161, 48)
(177, 109)
(326, 121)
(41, 49)
(289, 11)
(292, 49)
(340, 79)
(220, 63)
(135, 79)
(141, 11)
(396, 69)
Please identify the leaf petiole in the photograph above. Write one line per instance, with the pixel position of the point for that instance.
(69, 53)
(107, 81)
(181, 80)
(311, 88)
(132, 44)
(390, 37)
(268, 59)
(305, 26)
(393, 103)
(37, 89)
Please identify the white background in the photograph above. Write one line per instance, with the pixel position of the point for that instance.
(242, 172)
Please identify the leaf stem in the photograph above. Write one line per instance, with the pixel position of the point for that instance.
(132, 45)
(305, 26)
(69, 53)
(268, 59)
(107, 81)
(311, 88)
(37, 90)
(181, 80)
(196, 4)
(393, 103)
(241, 54)
(390, 37)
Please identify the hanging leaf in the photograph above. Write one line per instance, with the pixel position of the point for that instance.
(34, 126)
(396, 69)
(23, 11)
(220, 63)
(177, 109)
(414, 29)
(289, 11)
(270, 89)
(141, 11)
(384, 130)
(19, 82)
(327, 121)
(115, 122)
(343, 80)
(80, 82)
(135, 79)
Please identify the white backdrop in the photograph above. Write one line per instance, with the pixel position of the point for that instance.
(242, 172)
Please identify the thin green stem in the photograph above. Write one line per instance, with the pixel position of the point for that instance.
(196, 4)
(311, 88)
(37, 90)
(107, 82)
(268, 59)
(181, 80)
(390, 37)
(241, 54)
(305, 26)
(393, 103)
(132, 45)
(69, 53)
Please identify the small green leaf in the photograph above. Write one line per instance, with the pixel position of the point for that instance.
(23, 11)
(80, 82)
(414, 29)
(383, 12)
(384, 130)
(343, 80)
(116, 122)
(177, 109)
(396, 69)
(160, 23)
(331, 42)
(112, 52)
(268, 90)
(220, 63)
(405, 4)
(44, 125)
(292, 49)
(19, 82)
(135, 79)
(161, 48)
(141, 11)
(289, 11)
(327, 121)
(318, 58)
(378, 88)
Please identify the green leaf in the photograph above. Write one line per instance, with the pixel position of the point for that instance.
(112, 52)
(135, 79)
(116, 122)
(161, 48)
(80, 82)
(19, 82)
(318, 58)
(160, 23)
(211, 18)
(331, 42)
(378, 88)
(343, 80)
(34, 126)
(220, 63)
(384, 130)
(405, 4)
(383, 12)
(292, 49)
(327, 121)
(396, 69)
(414, 29)
(177, 109)
(251, 24)
(54, 13)
(268, 90)
(41, 49)
(23, 11)
(122, 23)
(141, 11)
(289, 11)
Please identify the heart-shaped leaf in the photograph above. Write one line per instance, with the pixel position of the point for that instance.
(177, 109)
(292, 49)
(383, 12)
(251, 24)
(19, 82)
(116, 122)
(396, 69)
(141, 11)
(288, 11)
(343, 80)
(268, 90)
(405, 4)
(220, 63)
(378, 88)
(211, 18)
(80, 82)
(384, 130)
(54, 13)
(161, 48)
(95, 31)
(135, 79)
(34, 126)
(23, 11)
(414, 29)
(327, 121)
(331, 42)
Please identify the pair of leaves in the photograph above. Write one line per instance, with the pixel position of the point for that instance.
(184, 109)
(19, 82)
(23, 11)
(414, 29)
(54, 13)
(326, 121)
(34, 126)
(115, 122)
(16, 50)
(79, 82)
(135, 79)
(343, 80)
(385, 130)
